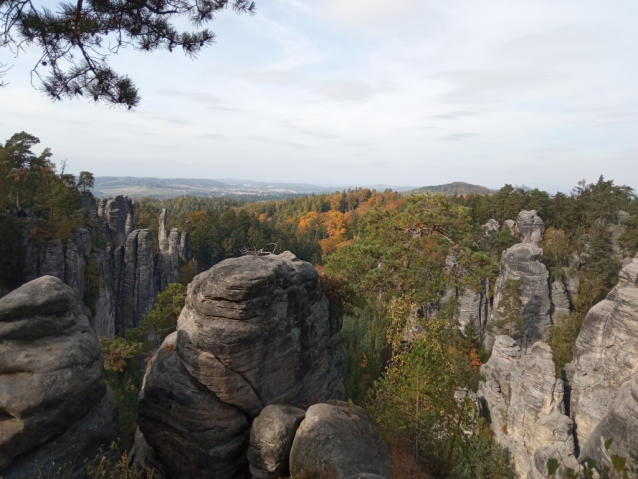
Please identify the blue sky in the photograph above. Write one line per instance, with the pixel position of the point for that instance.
(360, 92)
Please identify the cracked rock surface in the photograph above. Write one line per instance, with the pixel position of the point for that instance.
(255, 331)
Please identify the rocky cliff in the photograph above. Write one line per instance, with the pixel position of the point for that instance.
(119, 281)
(528, 406)
(54, 404)
(255, 331)
(525, 405)
(605, 355)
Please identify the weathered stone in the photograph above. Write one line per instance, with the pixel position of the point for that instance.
(525, 403)
(523, 261)
(183, 248)
(605, 353)
(168, 257)
(271, 437)
(90, 204)
(50, 370)
(119, 216)
(620, 425)
(85, 439)
(491, 225)
(53, 261)
(257, 330)
(560, 300)
(192, 432)
(137, 292)
(103, 321)
(531, 227)
(341, 439)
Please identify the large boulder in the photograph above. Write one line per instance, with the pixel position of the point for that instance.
(271, 438)
(190, 430)
(525, 406)
(340, 440)
(605, 354)
(531, 227)
(523, 262)
(255, 331)
(52, 392)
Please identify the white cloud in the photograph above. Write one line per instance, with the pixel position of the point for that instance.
(369, 91)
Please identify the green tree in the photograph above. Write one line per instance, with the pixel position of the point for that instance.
(76, 38)
(86, 180)
(510, 307)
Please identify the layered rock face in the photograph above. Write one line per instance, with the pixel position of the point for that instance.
(168, 257)
(340, 440)
(530, 227)
(255, 331)
(525, 406)
(523, 262)
(605, 354)
(137, 287)
(54, 404)
(126, 273)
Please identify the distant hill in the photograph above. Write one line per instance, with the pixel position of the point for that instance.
(456, 188)
(163, 188)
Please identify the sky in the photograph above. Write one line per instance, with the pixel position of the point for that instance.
(360, 92)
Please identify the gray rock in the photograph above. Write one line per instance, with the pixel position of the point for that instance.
(491, 225)
(50, 369)
(168, 257)
(192, 432)
(620, 424)
(560, 300)
(523, 261)
(85, 439)
(341, 439)
(605, 353)
(475, 307)
(103, 321)
(257, 330)
(183, 248)
(531, 227)
(254, 331)
(90, 204)
(511, 227)
(525, 404)
(271, 437)
(137, 293)
(119, 216)
(53, 262)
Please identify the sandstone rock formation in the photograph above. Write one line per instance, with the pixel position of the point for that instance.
(192, 432)
(137, 287)
(341, 439)
(523, 261)
(605, 354)
(125, 272)
(530, 227)
(525, 406)
(119, 217)
(491, 225)
(168, 257)
(53, 400)
(561, 305)
(511, 227)
(271, 437)
(620, 424)
(255, 331)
